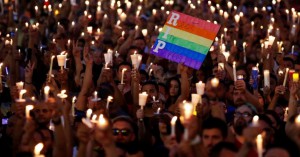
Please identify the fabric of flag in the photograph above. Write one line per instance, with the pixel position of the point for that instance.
(185, 39)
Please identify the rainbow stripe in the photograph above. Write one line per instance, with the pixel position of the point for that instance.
(187, 42)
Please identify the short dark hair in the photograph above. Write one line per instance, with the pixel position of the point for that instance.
(151, 83)
(216, 150)
(124, 63)
(215, 123)
(127, 119)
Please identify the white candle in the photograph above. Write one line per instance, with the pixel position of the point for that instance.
(293, 49)
(89, 113)
(252, 28)
(285, 77)
(89, 29)
(255, 121)
(158, 110)
(37, 150)
(102, 122)
(293, 30)
(259, 145)
(271, 40)
(122, 77)
(237, 18)
(173, 124)
(73, 106)
(267, 78)
(200, 88)
(109, 99)
(46, 92)
(150, 72)
(195, 100)
(62, 94)
(21, 93)
(28, 108)
(144, 32)
(287, 15)
(234, 71)
(136, 60)
(143, 99)
(20, 85)
(245, 56)
(51, 65)
(61, 59)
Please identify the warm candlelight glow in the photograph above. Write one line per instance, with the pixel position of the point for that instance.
(28, 108)
(122, 77)
(143, 99)
(255, 121)
(297, 120)
(46, 92)
(214, 82)
(295, 77)
(38, 148)
(259, 145)
(173, 124)
(109, 99)
(62, 94)
(187, 110)
(20, 85)
(21, 93)
(102, 122)
(200, 88)
(89, 113)
(267, 78)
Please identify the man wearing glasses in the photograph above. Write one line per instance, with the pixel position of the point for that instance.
(125, 135)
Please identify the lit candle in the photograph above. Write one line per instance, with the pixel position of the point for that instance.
(73, 106)
(21, 93)
(46, 92)
(123, 17)
(37, 150)
(87, 3)
(234, 71)
(200, 88)
(297, 121)
(61, 59)
(173, 124)
(150, 72)
(122, 77)
(144, 32)
(287, 14)
(158, 110)
(237, 18)
(102, 122)
(195, 100)
(293, 49)
(143, 99)
(214, 82)
(259, 145)
(255, 121)
(90, 30)
(293, 30)
(271, 40)
(28, 108)
(20, 85)
(226, 15)
(51, 65)
(225, 32)
(285, 77)
(89, 113)
(229, 5)
(94, 117)
(135, 60)
(109, 99)
(62, 94)
(267, 78)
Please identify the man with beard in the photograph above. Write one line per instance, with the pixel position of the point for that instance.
(214, 131)
(242, 118)
(125, 135)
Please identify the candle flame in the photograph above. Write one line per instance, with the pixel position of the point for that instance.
(38, 148)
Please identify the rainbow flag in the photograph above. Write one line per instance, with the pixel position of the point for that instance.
(185, 39)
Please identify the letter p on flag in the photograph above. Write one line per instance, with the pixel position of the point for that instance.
(160, 45)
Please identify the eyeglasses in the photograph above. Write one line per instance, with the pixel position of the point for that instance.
(123, 132)
(244, 115)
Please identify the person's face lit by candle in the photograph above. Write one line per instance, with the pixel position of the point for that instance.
(127, 73)
(123, 132)
(151, 90)
(42, 114)
(242, 118)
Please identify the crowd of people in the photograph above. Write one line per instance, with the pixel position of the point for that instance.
(69, 87)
